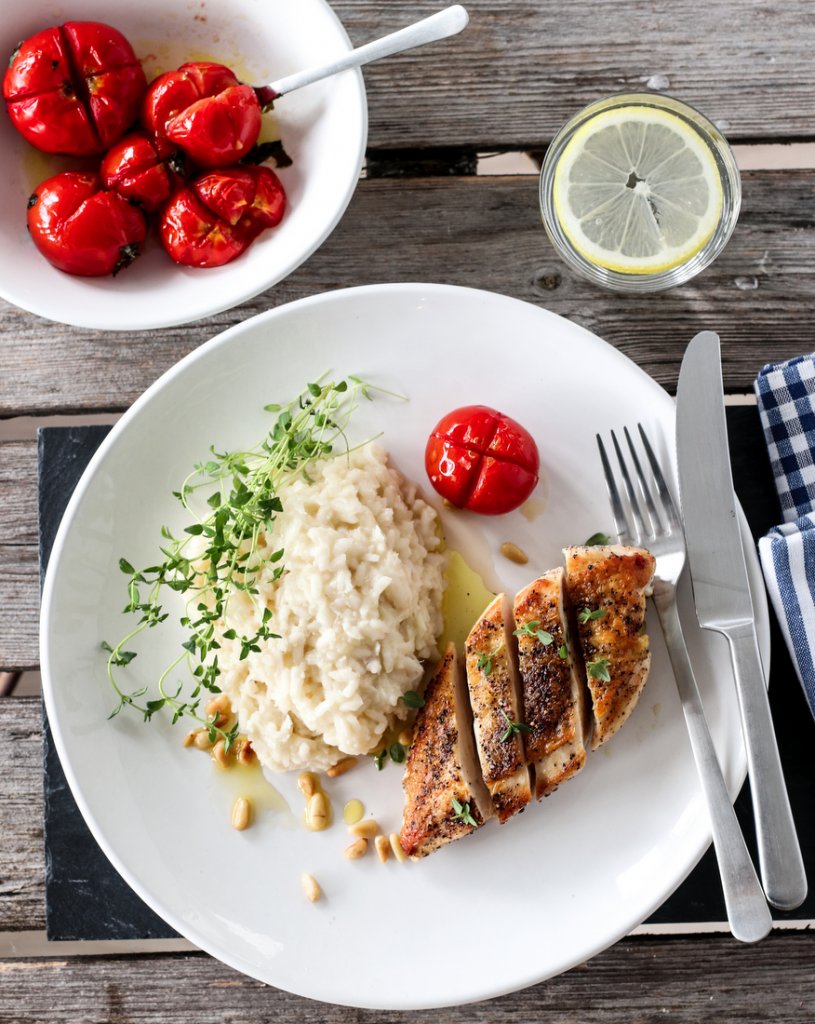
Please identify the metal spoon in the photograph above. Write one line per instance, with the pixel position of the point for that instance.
(438, 26)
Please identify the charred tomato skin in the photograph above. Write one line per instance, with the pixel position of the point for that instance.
(74, 88)
(203, 108)
(82, 229)
(482, 460)
(215, 218)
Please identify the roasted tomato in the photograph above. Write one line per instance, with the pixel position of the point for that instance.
(82, 229)
(216, 218)
(479, 459)
(134, 169)
(74, 88)
(205, 110)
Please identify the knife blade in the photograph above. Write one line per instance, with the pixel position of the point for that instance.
(721, 591)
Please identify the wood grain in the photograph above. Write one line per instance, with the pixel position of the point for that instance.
(521, 69)
(479, 232)
(638, 981)
(19, 603)
(22, 862)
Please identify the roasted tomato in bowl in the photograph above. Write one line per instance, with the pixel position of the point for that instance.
(206, 111)
(82, 229)
(137, 170)
(74, 88)
(216, 217)
(482, 460)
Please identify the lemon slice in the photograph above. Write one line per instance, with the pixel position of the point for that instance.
(637, 190)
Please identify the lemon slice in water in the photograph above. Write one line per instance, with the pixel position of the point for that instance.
(637, 190)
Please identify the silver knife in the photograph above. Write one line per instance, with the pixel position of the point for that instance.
(721, 593)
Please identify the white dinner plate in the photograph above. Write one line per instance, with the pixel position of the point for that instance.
(505, 907)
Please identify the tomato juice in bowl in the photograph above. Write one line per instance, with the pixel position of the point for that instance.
(322, 129)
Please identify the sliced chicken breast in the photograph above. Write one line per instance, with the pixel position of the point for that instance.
(492, 678)
(608, 587)
(445, 796)
(556, 706)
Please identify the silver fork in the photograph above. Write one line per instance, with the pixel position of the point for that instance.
(661, 533)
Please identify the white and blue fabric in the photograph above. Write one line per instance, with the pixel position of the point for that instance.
(786, 404)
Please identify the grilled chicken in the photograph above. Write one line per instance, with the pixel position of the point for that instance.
(442, 767)
(492, 678)
(556, 707)
(608, 587)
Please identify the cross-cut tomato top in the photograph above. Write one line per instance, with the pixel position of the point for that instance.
(482, 460)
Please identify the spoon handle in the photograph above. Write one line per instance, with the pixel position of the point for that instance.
(438, 26)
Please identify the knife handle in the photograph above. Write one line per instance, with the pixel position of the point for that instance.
(779, 852)
(747, 910)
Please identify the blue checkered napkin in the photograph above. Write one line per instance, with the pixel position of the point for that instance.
(786, 403)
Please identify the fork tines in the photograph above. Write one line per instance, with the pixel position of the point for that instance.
(650, 522)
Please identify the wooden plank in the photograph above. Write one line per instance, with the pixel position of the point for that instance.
(521, 69)
(19, 610)
(638, 980)
(484, 233)
(22, 863)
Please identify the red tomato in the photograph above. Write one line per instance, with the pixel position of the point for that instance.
(74, 88)
(134, 169)
(83, 230)
(216, 217)
(479, 459)
(205, 110)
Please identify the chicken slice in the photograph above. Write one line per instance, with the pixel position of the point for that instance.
(607, 587)
(492, 678)
(557, 708)
(442, 767)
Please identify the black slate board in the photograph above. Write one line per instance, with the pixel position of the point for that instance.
(87, 899)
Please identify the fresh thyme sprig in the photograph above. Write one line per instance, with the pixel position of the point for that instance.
(587, 615)
(543, 636)
(463, 813)
(598, 669)
(513, 728)
(230, 523)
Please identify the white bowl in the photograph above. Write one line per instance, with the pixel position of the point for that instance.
(323, 128)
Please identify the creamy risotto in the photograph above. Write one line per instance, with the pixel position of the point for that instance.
(357, 609)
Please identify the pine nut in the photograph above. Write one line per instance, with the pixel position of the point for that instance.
(364, 829)
(311, 887)
(219, 709)
(357, 849)
(241, 814)
(220, 755)
(202, 740)
(405, 737)
(307, 784)
(514, 553)
(189, 739)
(341, 767)
(383, 847)
(317, 812)
(244, 752)
(396, 846)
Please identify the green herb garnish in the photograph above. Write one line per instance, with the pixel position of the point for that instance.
(379, 759)
(463, 813)
(413, 699)
(598, 669)
(531, 629)
(397, 752)
(513, 728)
(240, 506)
(597, 540)
(563, 652)
(586, 615)
(484, 662)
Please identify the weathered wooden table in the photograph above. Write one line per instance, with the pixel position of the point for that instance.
(422, 213)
